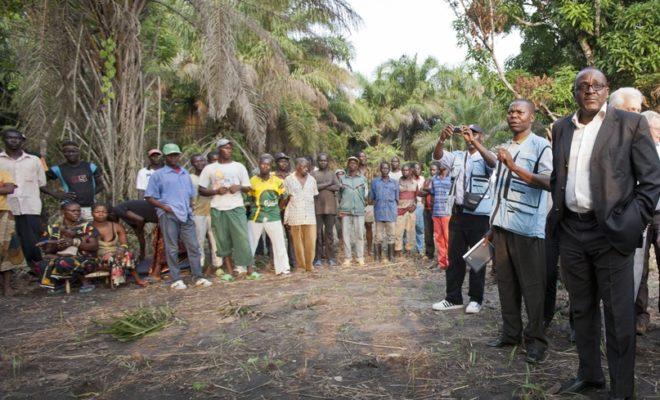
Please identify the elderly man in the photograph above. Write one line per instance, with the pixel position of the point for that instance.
(627, 99)
(300, 214)
(605, 187)
(652, 239)
(630, 99)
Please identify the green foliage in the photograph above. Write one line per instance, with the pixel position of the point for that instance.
(141, 322)
(381, 152)
(107, 54)
(631, 46)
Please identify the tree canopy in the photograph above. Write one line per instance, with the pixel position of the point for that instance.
(124, 76)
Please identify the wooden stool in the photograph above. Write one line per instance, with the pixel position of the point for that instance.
(101, 274)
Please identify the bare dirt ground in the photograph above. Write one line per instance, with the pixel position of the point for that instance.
(357, 333)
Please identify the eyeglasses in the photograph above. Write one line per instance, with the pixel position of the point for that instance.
(584, 86)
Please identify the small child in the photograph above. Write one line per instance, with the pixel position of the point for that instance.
(440, 187)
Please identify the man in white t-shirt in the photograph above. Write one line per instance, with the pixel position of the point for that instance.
(155, 162)
(225, 181)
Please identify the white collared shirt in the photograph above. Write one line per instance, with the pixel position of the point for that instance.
(578, 182)
(29, 176)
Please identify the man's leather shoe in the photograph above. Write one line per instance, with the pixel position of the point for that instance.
(534, 356)
(578, 385)
(502, 342)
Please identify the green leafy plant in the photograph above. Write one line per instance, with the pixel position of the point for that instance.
(139, 323)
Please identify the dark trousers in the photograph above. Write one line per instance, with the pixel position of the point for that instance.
(642, 301)
(520, 266)
(552, 274)
(28, 229)
(429, 244)
(289, 243)
(325, 225)
(595, 271)
(465, 230)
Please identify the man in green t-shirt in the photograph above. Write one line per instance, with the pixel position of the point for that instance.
(267, 191)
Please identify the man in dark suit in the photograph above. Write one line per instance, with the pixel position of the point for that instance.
(605, 184)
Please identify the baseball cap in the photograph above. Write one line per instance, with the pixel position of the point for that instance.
(154, 151)
(476, 128)
(171, 148)
(223, 142)
(280, 156)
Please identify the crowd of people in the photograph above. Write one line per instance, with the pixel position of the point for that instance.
(585, 197)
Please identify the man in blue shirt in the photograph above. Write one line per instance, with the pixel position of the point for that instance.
(471, 172)
(171, 191)
(518, 231)
(384, 194)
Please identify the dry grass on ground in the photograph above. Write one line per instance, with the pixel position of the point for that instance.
(358, 333)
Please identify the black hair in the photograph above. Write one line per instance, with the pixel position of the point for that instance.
(383, 162)
(210, 154)
(12, 130)
(585, 70)
(69, 143)
(66, 203)
(530, 103)
(97, 205)
(265, 157)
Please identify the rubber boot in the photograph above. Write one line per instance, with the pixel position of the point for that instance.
(390, 253)
(378, 252)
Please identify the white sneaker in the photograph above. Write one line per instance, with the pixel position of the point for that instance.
(178, 285)
(347, 263)
(473, 308)
(446, 305)
(360, 262)
(203, 282)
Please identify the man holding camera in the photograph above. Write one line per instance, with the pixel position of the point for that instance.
(471, 170)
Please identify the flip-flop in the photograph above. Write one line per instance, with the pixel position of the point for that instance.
(253, 276)
(151, 279)
(227, 278)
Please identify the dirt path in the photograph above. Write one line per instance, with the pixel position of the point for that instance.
(335, 334)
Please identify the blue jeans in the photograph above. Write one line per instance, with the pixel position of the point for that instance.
(419, 228)
(173, 230)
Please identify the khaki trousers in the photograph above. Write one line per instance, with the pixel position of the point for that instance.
(405, 223)
(304, 244)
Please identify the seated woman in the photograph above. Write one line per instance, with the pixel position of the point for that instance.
(69, 250)
(113, 251)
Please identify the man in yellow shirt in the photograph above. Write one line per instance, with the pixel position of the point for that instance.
(267, 191)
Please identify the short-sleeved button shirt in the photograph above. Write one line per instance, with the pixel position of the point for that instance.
(173, 188)
(440, 188)
(29, 175)
(5, 177)
(300, 210)
(385, 194)
(266, 196)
